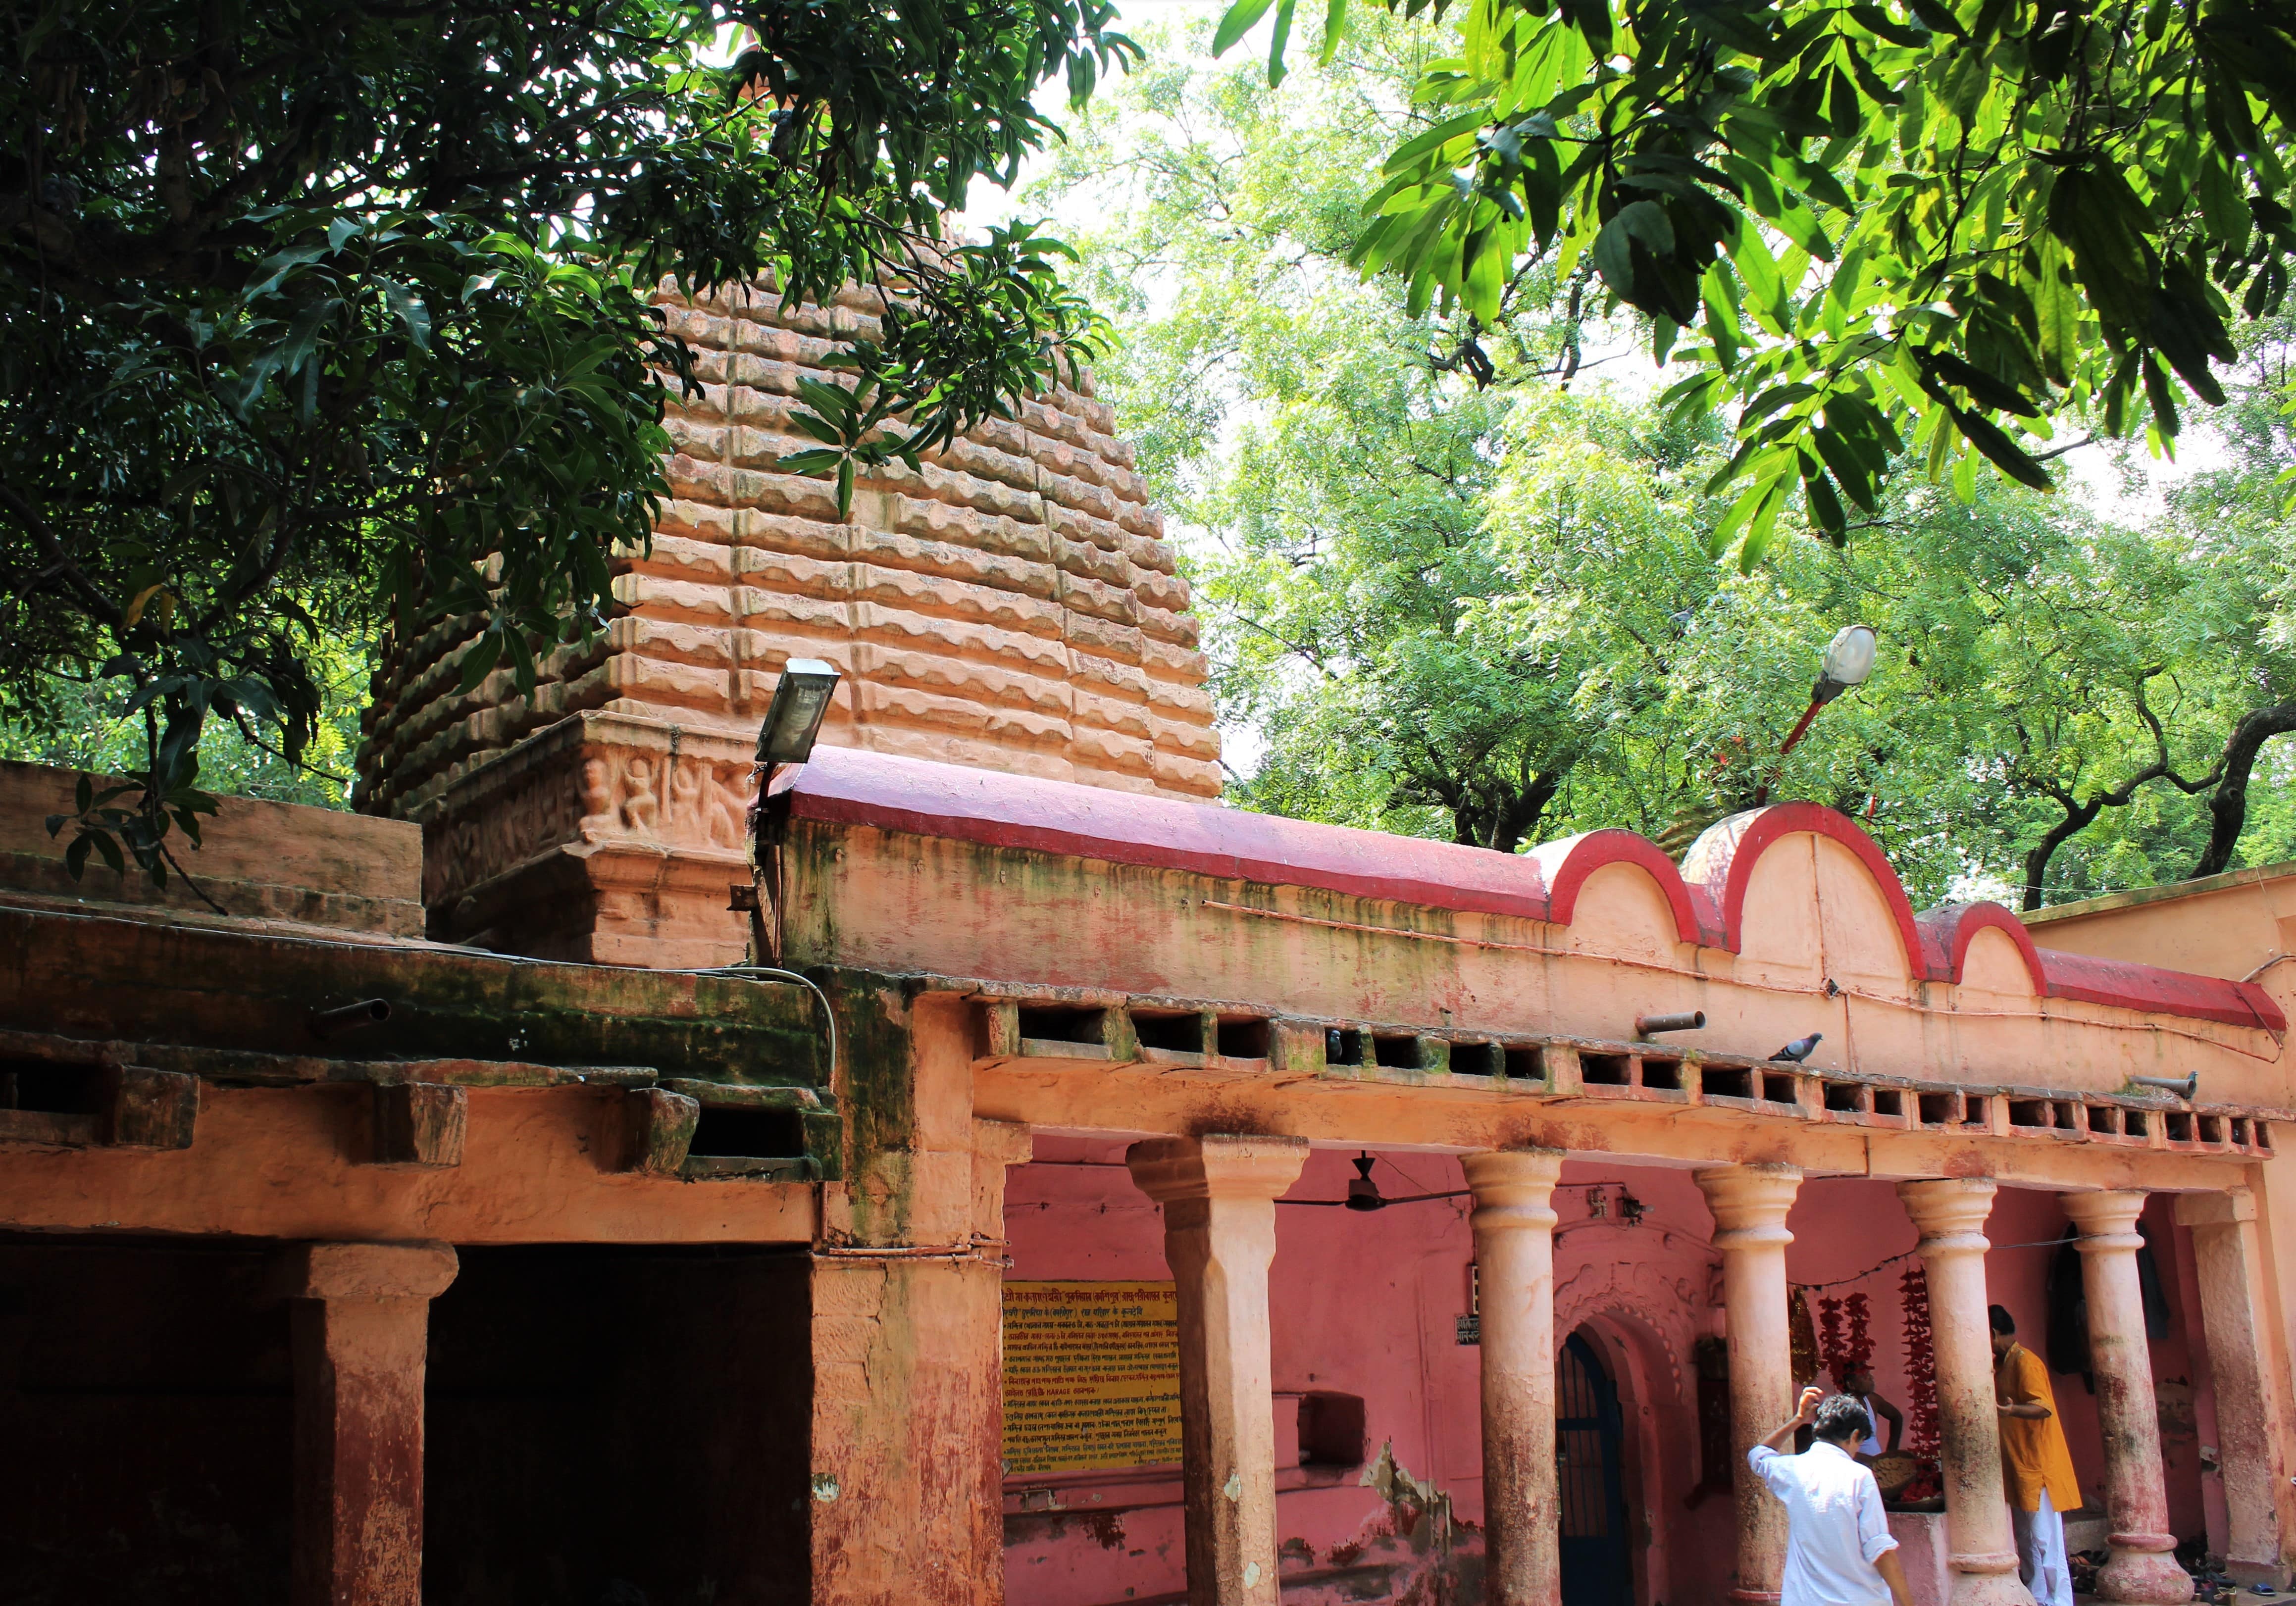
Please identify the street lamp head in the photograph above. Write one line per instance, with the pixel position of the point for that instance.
(1848, 660)
(793, 718)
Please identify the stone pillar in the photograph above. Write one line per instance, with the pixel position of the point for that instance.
(1750, 1205)
(1218, 1194)
(1981, 1548)
(361, 1315)
(2251, 1401)
(904, 1507)
(2142, 1566)
(1514, 1251)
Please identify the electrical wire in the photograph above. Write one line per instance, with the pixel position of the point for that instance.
(2042, 1243)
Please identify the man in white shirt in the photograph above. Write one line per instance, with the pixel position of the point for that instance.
(1839, 1552)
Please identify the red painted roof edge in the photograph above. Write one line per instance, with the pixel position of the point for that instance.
(917, 797)
(914, 795)
(2124, 984)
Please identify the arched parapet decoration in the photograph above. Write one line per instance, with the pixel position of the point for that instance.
(1720, 866)
(1948, 929)
(1566, 865)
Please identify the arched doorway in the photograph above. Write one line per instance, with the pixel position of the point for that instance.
(1596, 1570)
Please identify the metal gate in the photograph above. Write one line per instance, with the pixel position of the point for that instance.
(1586, 1436)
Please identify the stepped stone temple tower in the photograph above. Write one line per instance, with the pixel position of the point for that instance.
(1012, 607)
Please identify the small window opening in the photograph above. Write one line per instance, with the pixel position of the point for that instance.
(1478, 1060)
(1526, 1064)
(2263, 1137)
(2104, 1120)
(48, 1087)
(1243, 1039)
(1665, 1074)
(1343, 1046)
(2132, 1123)
(1177, 1033)
(1889, 1100)
(1726, 1082)
(1778, 1089)
(1844, 1096)
(1395, 1050)
(747, 1134)
(2030, 1112)
(1978, 1113)
(1602, 1071)
(2068, 1116)
(1939, 1108)
(1331, 1429)
(2212, 1129)
(1061, 1023)
(2180, 1126)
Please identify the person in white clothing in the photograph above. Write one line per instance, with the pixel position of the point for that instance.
(1838, 1549)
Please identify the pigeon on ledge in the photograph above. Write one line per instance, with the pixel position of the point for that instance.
(1800, 1049)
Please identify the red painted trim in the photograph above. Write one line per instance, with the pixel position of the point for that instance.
(1721, 864)
(849, 787)
(845, 786)
(1947, 932)
(2123, 984)
(1568, 862)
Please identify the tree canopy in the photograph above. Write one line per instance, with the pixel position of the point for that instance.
(1923, 230)
(1483, 607)
(325, 315)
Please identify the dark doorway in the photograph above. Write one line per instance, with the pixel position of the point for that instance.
(146, 1424)
(1595, 1562)
(619, 1427)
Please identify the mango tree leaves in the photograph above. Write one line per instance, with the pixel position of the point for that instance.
(1928, 225)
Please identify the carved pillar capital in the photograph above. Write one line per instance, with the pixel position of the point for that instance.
(366, 1271)
(1513, 1188)
(1949, 1213)
(1216, 1166)
(2107, 1220)
(1750, 1203)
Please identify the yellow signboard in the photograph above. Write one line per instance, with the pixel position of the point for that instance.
(1092, 1375)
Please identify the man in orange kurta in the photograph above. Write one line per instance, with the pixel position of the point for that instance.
(2036, 1469)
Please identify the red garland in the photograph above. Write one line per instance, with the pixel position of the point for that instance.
(1858, 1350)
(1845, 1354)
(1921, 1366)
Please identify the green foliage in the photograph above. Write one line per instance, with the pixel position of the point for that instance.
(1487, 611)
(1913, 231)
(318, 318)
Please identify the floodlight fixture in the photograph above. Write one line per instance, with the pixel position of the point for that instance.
(793, 718)
(1848, 659)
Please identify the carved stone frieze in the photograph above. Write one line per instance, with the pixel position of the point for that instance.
(629, 827)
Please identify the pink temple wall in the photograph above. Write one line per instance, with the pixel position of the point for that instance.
(1365, 1304)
